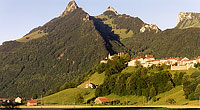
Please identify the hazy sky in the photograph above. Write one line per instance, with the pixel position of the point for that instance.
(18, 17)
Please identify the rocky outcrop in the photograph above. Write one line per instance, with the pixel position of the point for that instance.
(70, 8)
(188, 19)
(149, 27)
(112, 9)
(86, 18)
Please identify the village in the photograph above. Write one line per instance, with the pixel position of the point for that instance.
(178, 63)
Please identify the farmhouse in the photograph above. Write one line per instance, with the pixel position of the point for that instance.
(101, 100)
(32, 103)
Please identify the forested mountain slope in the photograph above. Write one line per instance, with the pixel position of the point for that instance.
(168, 43)
(69, 46)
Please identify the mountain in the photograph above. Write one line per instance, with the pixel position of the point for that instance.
(124, 25)
(142, 38)
(59, 51)
(168, 43)
(188, 20)
(67, 47)
(181, 41)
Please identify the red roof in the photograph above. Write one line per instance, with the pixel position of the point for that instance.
(5, 99)
(103, 99)
(135, 58)
(32, 101)
(149, 56)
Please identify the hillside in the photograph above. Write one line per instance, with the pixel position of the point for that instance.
(125, 26)
(142, 38)
(68, 96)
(176, 93)
(168, 43)
(50, 55)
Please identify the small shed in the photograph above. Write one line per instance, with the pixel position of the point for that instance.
(90, 85)
(32, 103)
(101, 100)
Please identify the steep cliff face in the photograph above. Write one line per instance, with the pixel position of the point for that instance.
(188, 20)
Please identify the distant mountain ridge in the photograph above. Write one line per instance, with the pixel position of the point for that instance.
(188, 20)
(124, 25)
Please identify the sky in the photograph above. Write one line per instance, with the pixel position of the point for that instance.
(18, 17)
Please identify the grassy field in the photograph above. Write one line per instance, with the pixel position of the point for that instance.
(67, 97)
(129, 70)
(176, 93)
(34, 35)
(96, 79)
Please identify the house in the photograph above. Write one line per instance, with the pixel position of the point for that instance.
(155, 62)
(144, 61)
(18, 100)
(6, 100)
(172, 61)
(32, 103)
(101, 100)
(90, 85)
(133, 61)
(149, 57)
(164, 61)
(198, 59)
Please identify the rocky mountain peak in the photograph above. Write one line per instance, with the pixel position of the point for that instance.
(183, 16)
(70, 8)
(112, 9)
